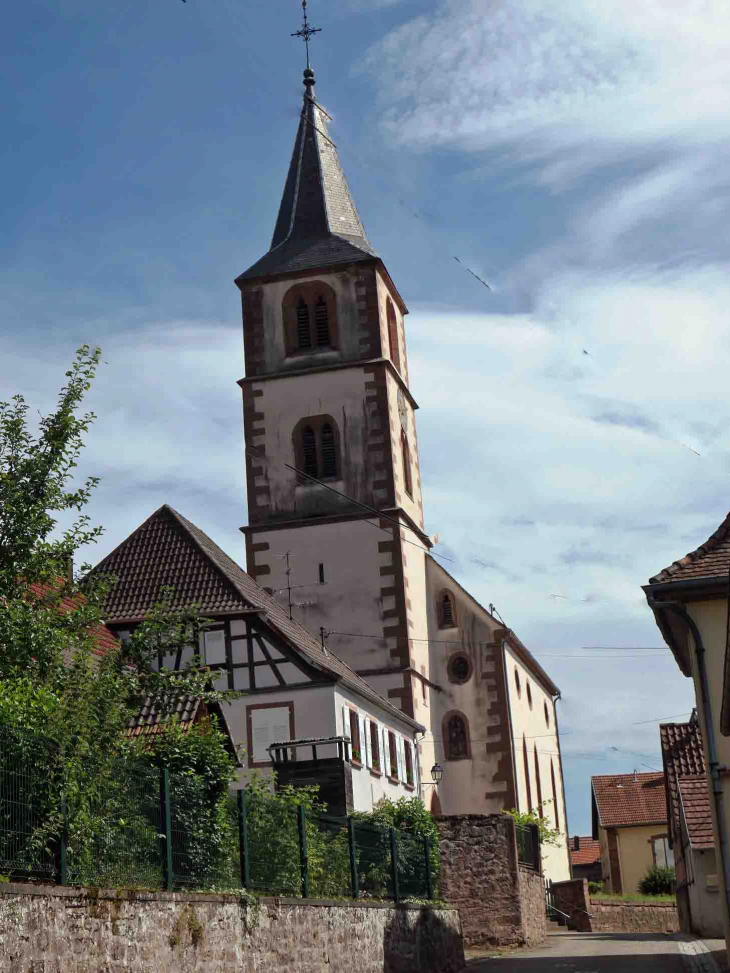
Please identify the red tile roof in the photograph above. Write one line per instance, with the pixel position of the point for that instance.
(682, 756)
(695, 796)
(624, 800)
(588, 851)
(105, 640)
(710, 560)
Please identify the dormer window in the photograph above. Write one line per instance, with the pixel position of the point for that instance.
(310, 318)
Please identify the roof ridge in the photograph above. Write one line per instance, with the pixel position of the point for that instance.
(712, 542)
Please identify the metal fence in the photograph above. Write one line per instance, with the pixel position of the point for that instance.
(146, 827)
(528, 846)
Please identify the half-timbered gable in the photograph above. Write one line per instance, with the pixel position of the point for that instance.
(296, 689)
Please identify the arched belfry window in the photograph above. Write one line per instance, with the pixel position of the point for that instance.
(393, 344)
(406, 458)
(317, 448)
(446, 610)
(526, 761)
(455, 729)
(309, 312)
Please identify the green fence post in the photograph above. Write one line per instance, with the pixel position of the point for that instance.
(63, 870)
(243, 839)
(354, 877)
(394, 864)
(166, 826)
(303, 859)
(427, 863)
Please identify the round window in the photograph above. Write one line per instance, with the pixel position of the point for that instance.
(547, 714)
(459, 668)
(529, 695)
(517, 682)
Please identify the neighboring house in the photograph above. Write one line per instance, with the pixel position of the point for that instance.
(630, 822)
(331, 444)
(333, 727)
(690, 829)
(690, 604)
(585, 858)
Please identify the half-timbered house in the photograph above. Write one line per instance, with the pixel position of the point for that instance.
(305, 713)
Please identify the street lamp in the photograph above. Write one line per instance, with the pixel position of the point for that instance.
(436, 773)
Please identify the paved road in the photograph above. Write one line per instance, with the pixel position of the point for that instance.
(573, 952)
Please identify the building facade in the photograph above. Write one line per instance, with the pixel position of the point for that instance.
(335, 512)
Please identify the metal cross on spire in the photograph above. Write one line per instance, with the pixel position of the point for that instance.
(306, 31)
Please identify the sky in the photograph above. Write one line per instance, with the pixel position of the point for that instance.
(573, 424)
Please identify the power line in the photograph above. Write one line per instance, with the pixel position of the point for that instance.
(660, 719)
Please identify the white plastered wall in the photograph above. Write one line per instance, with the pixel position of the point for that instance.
(529, 723)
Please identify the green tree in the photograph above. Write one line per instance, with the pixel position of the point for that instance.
(64, 707)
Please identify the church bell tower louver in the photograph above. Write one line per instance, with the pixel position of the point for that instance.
(326, 394)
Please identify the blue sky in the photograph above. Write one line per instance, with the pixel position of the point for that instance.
(573, 154)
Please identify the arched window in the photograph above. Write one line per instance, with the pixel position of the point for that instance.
(459, 668)
(406, 457)
(310, 318)
(393, 344)
(518, 684)
(455, 730)
(555, 796)
(526, 761)
(446, 613)
(538, 782)
(529, 693)
(547, 715)
(317, 448)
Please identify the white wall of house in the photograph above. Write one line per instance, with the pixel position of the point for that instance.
(705, 900)
(533, 720)
(370, 784)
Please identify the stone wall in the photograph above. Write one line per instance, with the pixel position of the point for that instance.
(632, 917)
(64, 930)
(497, 900)
(572, 899)
(532, 906)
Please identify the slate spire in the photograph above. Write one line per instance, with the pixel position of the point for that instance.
(318, 223)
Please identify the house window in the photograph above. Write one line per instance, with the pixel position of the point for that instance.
(375, 746)
(393, 334)
(459, 668)
(526, 762)
(661, 852)
(447, 615)
(456, 737)
(406, 457)
(355, 737)
(268, 723)
(409, 762)
(393, 754)
(555, 796)
(310, 318)
(316, 448)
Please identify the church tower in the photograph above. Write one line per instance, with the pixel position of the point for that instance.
(334, 491)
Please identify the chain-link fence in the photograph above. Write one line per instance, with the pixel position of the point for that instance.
(145, 827)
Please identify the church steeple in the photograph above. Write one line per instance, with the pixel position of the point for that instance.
(318, 223)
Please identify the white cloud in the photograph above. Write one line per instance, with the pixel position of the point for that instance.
(544, 76)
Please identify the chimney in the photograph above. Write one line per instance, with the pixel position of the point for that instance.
(576, 843)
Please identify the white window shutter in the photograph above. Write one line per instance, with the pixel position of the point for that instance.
(386, 753)
(345, 723)
(401, 759)
(361, 724)
(368, 745)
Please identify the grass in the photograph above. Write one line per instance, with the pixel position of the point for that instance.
(632, 897)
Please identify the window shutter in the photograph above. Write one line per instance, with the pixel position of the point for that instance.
(309, 451)
(361, 725)
(345, 722)
(321, 322)
(386, 753)
(401, 758)
(304, 338)
(368, 745)
(329, 451)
